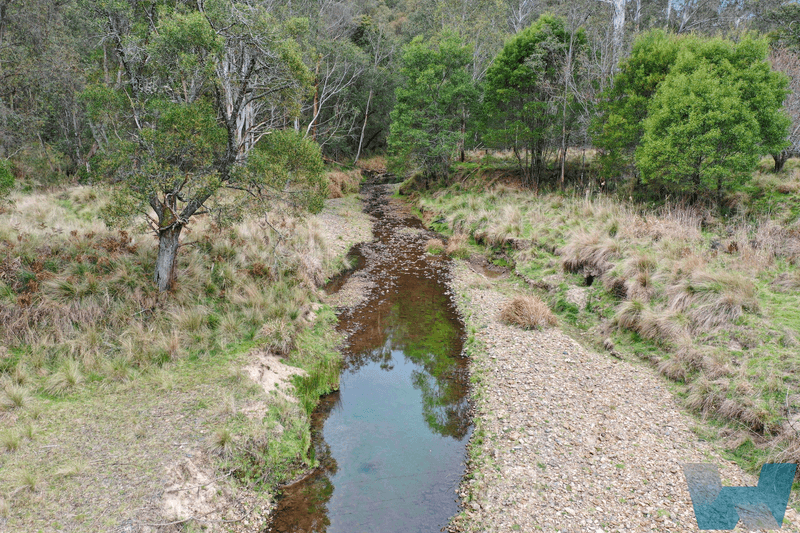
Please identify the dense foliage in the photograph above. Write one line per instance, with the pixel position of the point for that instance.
(694, 114)
(81, 78)
(527, 96)
(429, 116)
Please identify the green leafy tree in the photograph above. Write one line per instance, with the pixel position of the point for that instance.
(426, 130)
(618, 127)
(524, 103)
(197, 127)
(716, 112)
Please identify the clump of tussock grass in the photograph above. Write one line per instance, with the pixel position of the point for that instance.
(342, 183)
(10, 440)
(5, 508)
(65, 379)
(528, 312)
(277, 336)
(222, 443)
(434, 246)
(457, 246)
(706, 395)
(20, 375)
(787, 281)
(27, 480)
(713, 298)
(13, 396)
(590, 253)
(674, 368)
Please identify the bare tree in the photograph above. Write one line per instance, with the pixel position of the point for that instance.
(788, 62)
(520, 14)
(617, 31)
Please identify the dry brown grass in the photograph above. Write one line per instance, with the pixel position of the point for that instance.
(528, 312)
(457, 245)
(342, 183)
(708, 297)
(434, 246)
(590, 253)
(373, 164)
(712, 298)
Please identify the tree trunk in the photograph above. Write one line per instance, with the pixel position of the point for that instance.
(363, 127)
(619, 33)
(316, 101)
(780, 160)
(168, 242)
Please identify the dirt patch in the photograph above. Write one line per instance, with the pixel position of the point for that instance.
(269, 371)
(480, 265)
(193, 493)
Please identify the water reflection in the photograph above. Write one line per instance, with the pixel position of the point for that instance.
(391, 441)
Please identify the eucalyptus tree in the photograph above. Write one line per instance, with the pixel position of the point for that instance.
(198, 116)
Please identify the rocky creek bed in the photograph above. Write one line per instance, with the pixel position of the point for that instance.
(572, 440)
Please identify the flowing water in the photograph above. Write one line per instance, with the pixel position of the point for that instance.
(391, 442)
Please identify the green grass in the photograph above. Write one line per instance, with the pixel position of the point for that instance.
(705, 315)
(105, 373)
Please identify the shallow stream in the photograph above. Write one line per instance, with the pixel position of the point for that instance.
(391, 442)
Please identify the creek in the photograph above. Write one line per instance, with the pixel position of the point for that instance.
(391, 442)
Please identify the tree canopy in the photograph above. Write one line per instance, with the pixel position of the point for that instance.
(204, 90)
(524, 86)
(693, 113)
(428, 119)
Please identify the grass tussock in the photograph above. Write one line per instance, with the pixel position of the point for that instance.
(458, 246)
(528, 312)
(341, 183)
(375, 163)
(434, 246)
(713, 302)
(589, 253)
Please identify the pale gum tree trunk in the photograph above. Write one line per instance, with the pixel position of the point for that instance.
(245, 114)
(168, 242)
(619, 32)
(363, 128)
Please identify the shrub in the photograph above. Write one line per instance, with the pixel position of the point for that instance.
(434, 246)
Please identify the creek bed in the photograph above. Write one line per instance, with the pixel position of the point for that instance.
(391, 442)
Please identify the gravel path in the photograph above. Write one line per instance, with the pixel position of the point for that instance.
(572, 440)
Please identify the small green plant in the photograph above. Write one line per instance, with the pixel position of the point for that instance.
(65, 379)
(10, 440)
(222, 443)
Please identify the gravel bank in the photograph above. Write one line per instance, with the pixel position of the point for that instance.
(572, 440)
